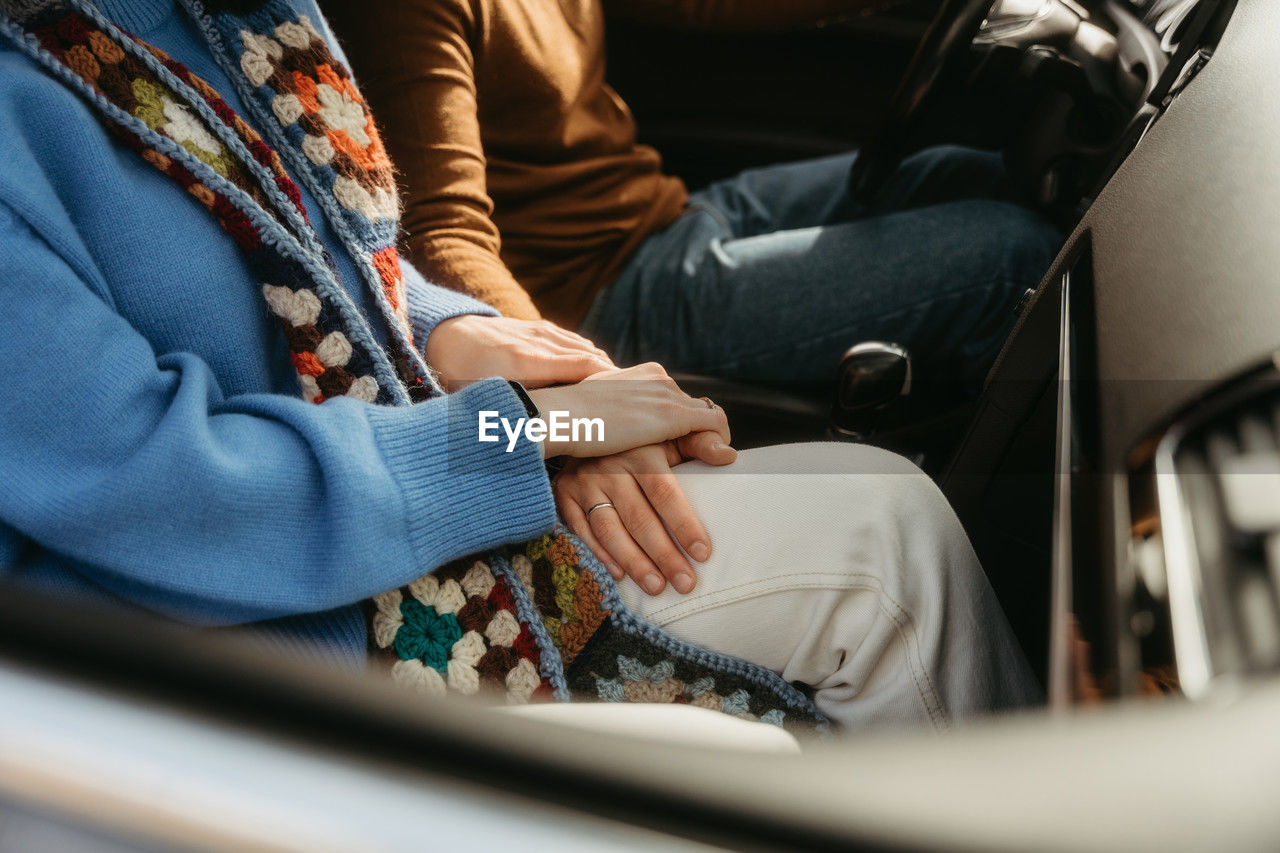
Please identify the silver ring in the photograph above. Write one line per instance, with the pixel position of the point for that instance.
(598, 506)
(707, 400)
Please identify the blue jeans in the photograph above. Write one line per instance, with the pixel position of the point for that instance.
(770, 276)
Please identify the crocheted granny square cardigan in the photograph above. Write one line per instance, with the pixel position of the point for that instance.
(539, 619)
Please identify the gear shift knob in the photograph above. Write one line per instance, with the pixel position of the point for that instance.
(873, 376)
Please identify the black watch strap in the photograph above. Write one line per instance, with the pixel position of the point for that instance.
(530, 408)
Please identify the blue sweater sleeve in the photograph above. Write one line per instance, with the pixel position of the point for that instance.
(431, 304)
(139, 473)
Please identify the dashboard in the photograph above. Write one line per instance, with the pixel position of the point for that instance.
(1164, 479)
(1167, 516)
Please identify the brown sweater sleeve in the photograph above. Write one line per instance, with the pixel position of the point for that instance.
(414, 63)
(735, 15)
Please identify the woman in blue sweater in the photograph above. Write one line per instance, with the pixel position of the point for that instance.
(226, 402)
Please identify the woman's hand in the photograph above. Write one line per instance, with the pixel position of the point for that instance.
(634, 407)
(637, 535)
(532, 352)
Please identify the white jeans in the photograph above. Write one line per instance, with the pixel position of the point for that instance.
(842, 566)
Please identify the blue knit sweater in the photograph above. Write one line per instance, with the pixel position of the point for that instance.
(153, 446)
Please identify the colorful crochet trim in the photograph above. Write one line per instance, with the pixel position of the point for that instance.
(542, 619)
(134, 80)
(294, 76)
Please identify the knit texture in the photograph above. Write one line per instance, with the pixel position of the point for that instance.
(178, 469)
(543, 616)
(543, 620)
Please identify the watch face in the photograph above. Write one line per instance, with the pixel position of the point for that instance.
(531, 408)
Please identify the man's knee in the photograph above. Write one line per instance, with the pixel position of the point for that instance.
(957, 157)
(1022, 239)
(949, 172)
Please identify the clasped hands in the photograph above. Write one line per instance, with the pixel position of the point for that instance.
(650, 426)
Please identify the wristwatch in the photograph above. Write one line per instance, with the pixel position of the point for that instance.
(530, 408)
(556, 463)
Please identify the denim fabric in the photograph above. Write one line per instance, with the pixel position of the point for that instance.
(771, 275)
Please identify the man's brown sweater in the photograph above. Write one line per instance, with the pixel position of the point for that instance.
(523, 181)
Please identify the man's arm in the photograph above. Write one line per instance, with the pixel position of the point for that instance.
(414, 63)
(735, 15)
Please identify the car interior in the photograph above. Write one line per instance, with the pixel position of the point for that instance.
(1063, 90)
(1119, 476)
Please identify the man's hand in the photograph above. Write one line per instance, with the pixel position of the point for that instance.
(533, 352)
(632, 537)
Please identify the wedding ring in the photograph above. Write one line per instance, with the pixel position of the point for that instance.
(707, 400)
(599, 506)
